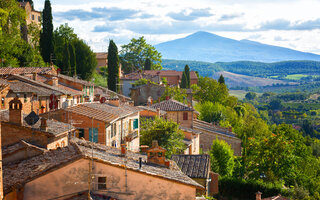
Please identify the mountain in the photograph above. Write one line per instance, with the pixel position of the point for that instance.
(204, 46)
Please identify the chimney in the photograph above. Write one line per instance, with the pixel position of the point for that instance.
(159, 100)
(114, 102)
(34, 76)
(230, 129)
(156, 155)
(158, 112)
(15, 111)
(43, 125)
(144, 148)
(54, 81)
(140, 162)
(123, 150)
(258, 195)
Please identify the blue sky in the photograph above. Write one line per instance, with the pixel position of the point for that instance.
(289, 23)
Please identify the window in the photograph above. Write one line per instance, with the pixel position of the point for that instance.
(135, 123)
(25, 97)
(81, 132)
(32, 17)
(39, 19)
(93, 135)
(2, 101)
(185, 116)
(102, 183)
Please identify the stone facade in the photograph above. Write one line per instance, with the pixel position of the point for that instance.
(140, 94)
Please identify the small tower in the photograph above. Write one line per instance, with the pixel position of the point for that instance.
(15, 111)
(156, 155)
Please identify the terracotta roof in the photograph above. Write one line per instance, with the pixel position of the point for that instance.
(172, 105)
(76, 80)
(27, 170)
(279, 197)
(162, 112)
(55, 128)
(102, 55)
(194, 166)
(26, 70)
(102, 91)
(6, 150)
(202, 125)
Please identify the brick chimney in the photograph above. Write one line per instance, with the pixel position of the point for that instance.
(15, 111)
(54, 81)
(114, 102)
(258, 195)
(123, 150)
(34, 76)
(156, 155)
(43, 125)
(158, 112)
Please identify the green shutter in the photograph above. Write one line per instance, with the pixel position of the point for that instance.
(135, 124)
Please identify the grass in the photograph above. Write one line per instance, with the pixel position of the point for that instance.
(240, 94)
(296, 76)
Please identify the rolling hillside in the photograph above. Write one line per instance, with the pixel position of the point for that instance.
(204, 46)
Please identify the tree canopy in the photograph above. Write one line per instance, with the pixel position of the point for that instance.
(167, 133)
(113, 66)
(134, 55)
(46, 36)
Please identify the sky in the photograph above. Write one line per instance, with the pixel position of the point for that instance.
(293, 24)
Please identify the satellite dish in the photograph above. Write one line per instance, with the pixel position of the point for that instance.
(32, 118)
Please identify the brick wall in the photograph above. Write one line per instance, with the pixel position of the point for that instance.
(177, 116)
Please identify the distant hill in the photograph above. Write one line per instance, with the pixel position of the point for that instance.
(204, 46)
(234, 80)
(248, 68)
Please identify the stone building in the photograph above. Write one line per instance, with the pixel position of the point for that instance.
(47, 134)
(183, 115)
(140, 94)
(110, 123)
(62, 173)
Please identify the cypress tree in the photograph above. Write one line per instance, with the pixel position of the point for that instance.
(183, 83)
(221, 79)
(66, 60)
(147, 64)
(187, 72)
(113, 66)
(46, 39)
(72, 60)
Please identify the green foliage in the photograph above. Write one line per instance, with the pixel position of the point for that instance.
(174, 93)
(210, 90)
(73, 64)
(100, 80)
(14, 51)
(167, 133)
(221, 79)
(211, 112)
(221, 156)
(134, 55)
(187, 72)
(184, 81)
(276, 104)
(85, 59)
(46, 36)
(141, 81)
(246, 189)
(113, 66)
(147, 64)
(66, 67)
(251, 96)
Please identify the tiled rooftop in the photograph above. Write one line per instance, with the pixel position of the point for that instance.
(6, 150)
(190, 130)
(102, 91)
(199, 124)
(55, 128)
(77, 80)
(162, 112)
(194, 166)
(26, 70)
(101, 55)
(172, 105)
(26, 170)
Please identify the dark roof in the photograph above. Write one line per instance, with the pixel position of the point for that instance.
(190, 130)
(26, 70)
(202, 125)
(27, 170)
(172, 105)
(55, 128)
(194, 166)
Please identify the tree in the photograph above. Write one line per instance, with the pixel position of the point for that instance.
(221, 79)
(175, 93)
(46, 36)
(167, 133)
(187, 72)
(147, 64)
(113, 66)
(221, 156)
(275, 104)
(66, 69)
(134, 54)
(184, 80)
(250, 96)
(211, 112)
(73, 64)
